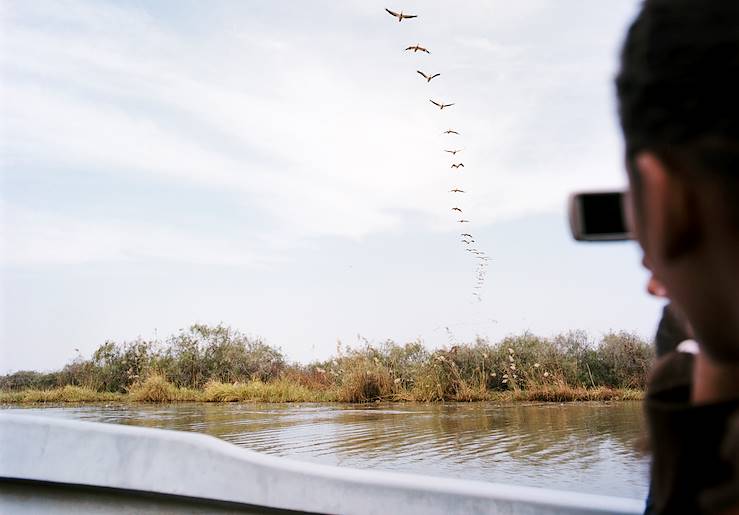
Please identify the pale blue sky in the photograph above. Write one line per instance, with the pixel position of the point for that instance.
(277, 166)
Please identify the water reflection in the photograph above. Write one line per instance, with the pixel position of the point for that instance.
(582, 446)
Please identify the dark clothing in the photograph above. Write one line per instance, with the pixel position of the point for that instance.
(670, 331)
(695, 462)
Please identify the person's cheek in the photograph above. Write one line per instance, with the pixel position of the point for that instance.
(631, 217)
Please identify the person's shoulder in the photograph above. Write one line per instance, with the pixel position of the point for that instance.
(670, 378)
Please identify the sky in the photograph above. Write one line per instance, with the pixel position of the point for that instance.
(277, 166)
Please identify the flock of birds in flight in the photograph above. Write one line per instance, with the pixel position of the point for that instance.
(467, 239)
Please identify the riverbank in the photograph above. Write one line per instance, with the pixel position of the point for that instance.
(158, 390)
(219, 364)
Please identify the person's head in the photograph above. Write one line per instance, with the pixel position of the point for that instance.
(678, 99)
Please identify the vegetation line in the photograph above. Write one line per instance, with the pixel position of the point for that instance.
(219, 364)
(156, 389)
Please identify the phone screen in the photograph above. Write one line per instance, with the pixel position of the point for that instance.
(603, 213)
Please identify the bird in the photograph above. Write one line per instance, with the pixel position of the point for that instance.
(468, 235)
(458, 165)
(427, 77)
(468, 242)
(418, 48)
(450, 131)
(400, 16)
(440, 105)
(456, 209)
(463, 221)
(456, 190)
(454, 152)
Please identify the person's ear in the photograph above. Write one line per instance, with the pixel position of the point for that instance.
(669, 210)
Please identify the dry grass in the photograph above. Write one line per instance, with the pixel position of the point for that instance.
(76, 394)
(155, 388)
(281, 390)
(365, 382)
(286, 391)
(567, 394)
(441, 380)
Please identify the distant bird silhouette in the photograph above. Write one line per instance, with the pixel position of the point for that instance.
(456, 209)
(458, 165)
(440, 105)
(463, 221)
(456, 190)
(454, 152)
(468, 235)
(400, 16)
(468, 242)
(450, 131)
(418, 48)
(428, 77)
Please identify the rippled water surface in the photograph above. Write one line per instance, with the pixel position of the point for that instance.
(583, 447)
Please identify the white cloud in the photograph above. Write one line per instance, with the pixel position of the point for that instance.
(326, 129)
(32, 237)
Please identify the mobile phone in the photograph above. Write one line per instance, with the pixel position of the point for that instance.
(598, 216)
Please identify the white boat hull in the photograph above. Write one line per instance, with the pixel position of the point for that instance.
(60, 466)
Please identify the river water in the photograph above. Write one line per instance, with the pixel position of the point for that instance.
(585, 447)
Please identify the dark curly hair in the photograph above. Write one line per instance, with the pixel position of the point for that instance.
(678, 87)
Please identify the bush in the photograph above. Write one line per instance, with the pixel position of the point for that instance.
(624, 360)
(29, 379)
(205, 353)
(365, 380)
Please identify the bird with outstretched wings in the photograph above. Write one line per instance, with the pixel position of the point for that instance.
(401, 15)
(428, 77)
(440, 105)
(418, 48)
